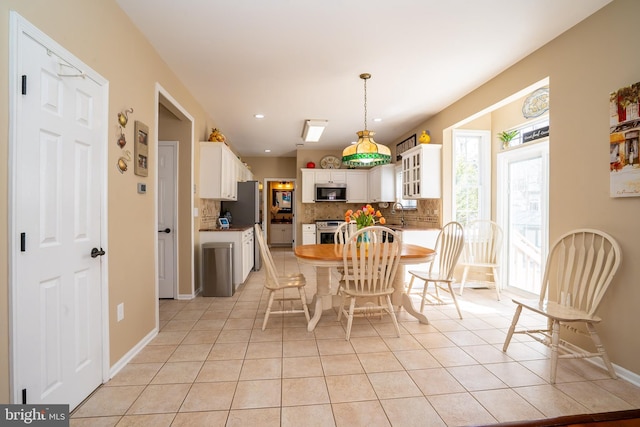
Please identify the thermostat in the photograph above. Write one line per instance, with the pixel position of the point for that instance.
(142, 188)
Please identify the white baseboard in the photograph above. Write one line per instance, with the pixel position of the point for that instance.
(132, 353)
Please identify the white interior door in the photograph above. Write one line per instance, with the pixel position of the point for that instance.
(523, 204)
(167, 173)
(58, 211)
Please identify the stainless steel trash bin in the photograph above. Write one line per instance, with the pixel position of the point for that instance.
(217, 269)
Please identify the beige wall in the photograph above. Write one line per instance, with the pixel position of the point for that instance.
(583, 66)
(101, 35)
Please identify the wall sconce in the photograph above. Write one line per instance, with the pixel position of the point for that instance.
(312, 130)
(123, 117)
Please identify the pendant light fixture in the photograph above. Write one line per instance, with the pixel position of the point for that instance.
(366, 152)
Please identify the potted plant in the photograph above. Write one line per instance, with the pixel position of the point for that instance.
(507, 136)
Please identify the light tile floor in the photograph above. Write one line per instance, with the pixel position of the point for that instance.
(212, 365)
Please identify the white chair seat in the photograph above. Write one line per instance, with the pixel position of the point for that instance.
(275, 282)
(483, 243)
(369, 274)
(557, 311)
(448, 248)
(579, 269)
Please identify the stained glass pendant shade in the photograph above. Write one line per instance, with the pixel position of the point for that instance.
(366, 152)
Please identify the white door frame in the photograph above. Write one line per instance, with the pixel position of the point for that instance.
(176, 255)
(162, 92)
(504, 157)
(266, 213)
(18, 25)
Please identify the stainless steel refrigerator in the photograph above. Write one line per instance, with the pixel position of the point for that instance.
(246, 211)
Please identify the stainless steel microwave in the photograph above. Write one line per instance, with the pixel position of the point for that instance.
(331, 192)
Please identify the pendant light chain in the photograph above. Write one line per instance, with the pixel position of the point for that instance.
(365, 103)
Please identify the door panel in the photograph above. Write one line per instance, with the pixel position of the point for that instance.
(524, 208)
(167, 161)
(58, 208)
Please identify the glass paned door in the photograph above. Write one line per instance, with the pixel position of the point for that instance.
(523, 205)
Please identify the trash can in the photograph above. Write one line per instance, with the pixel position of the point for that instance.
(217, 269)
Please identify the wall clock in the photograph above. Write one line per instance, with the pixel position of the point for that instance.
(330, 162)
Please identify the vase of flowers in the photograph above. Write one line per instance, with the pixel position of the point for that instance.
(364, 217)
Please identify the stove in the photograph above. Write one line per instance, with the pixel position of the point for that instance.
(325, 230)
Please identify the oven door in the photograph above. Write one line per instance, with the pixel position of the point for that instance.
(325, 236)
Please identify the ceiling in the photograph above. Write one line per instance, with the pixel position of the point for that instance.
(293, 60)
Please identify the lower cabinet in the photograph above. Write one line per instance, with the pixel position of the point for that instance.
(281, 234)
(242, 250)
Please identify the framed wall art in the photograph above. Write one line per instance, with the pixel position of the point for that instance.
(403, 146)
(624, 137)
(141, 149)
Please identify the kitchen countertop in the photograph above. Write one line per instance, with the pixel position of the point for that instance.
(232, 228)
(398, 227)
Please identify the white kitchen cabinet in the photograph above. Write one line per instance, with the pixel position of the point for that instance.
(247, 252)
(281, 234)
(218, 172)
(308, 185)
(421, 166)
(382, 184)
(357, 186)
(330, 175)
(308, 234)
(242, 250)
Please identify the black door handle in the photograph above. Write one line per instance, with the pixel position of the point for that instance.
(166, 230)
(95, 252)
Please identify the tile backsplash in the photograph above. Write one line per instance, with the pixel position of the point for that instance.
(427, 213)
(209, 213)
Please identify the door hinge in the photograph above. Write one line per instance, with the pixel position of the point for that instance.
(23, 242)
(24, 396)
(24, 84)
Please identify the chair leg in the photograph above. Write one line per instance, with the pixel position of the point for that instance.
(496, 280)
(410, 284)
(598, 343)
(303, 298)
(455, 301)
(341, 308)
(393, 315)
(352, 307)
(512, 328)
(555, 339)
(464, 278)
(424, 295)
(272, 294)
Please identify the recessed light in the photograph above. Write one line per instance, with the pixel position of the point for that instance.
(259, 116)
(267, 151)
(377, 119)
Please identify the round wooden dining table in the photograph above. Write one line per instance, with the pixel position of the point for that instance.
(324, 257)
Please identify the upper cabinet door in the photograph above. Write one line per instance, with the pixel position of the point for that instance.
(217, 172)
(421, 170)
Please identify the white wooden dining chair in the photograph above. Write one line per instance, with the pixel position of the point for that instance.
(370, 269)
(482, 246)
(343, 232)
(278, 285)
(579, 269)
(448, 248)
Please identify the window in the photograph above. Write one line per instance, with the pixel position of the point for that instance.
(531, 126)
(471, 175)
